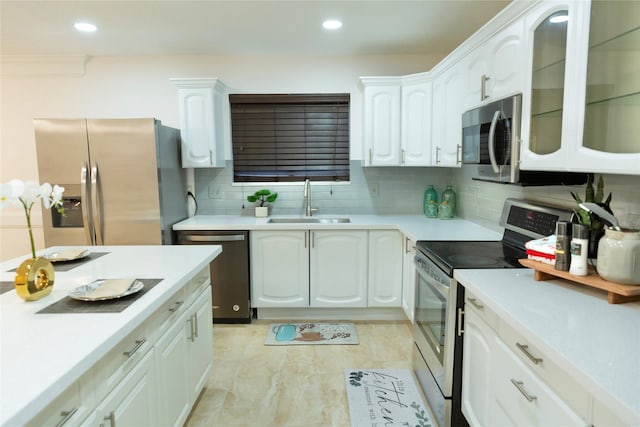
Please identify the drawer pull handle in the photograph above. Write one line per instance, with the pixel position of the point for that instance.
(474, 302)
(111, 418)
(175, 307)
(67, 416)
(139, 343)
(525, 349)
(521, 389)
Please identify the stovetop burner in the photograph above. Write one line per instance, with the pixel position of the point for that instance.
(474, 261)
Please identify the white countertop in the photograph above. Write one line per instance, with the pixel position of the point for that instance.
(416, 227)
(42, 354)
(596, 342)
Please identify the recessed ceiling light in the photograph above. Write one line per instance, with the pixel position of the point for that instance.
(85, 26)
(332, 24)
(559, 18)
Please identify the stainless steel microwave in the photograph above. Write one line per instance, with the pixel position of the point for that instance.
(491, 147)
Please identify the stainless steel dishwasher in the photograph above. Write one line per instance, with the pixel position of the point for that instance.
(229, 272)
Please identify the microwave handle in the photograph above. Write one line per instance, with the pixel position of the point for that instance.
(492, 141)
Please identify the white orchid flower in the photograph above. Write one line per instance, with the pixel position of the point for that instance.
(10, 193)
(32, 192)
(56, 195)
(26, 194)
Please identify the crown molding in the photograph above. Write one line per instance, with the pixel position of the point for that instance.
(43, 65)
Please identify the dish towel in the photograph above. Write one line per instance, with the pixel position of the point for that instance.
(543, 250)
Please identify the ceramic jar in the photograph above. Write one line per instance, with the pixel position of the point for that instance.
(619, 256)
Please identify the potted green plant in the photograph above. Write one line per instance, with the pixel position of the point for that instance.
(262, 197)
(596, 227)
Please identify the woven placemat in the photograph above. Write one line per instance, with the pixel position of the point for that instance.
(70, 305)
(6, 287)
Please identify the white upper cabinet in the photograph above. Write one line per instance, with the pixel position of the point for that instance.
(494, 70)
(382, 121)
(606, 137)
(544, 100)
(447, 117)
(202, 105)
(397, 120)
(582, 99)
(415, 122)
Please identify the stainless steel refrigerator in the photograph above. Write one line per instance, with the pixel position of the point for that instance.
(123, 181)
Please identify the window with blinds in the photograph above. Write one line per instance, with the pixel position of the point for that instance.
(290, 137)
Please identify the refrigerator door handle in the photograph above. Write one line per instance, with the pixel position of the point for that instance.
(95, 199)
(86, 204)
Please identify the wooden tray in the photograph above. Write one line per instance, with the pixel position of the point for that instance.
(616, 293)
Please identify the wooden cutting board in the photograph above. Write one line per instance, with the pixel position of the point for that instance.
(617, 293)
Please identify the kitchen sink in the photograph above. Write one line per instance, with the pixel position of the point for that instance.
(309, 220)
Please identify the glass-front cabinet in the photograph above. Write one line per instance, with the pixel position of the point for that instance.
(582, 109)
(609, 125)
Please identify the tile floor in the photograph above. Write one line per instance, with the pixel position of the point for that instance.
(288, 386)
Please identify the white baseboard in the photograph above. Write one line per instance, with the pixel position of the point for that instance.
(316, 313)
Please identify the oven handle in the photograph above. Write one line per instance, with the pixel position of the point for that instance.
(442, 289)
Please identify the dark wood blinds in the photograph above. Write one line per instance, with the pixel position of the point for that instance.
(290, 137)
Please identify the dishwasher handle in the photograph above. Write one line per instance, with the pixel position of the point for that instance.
(211, 238)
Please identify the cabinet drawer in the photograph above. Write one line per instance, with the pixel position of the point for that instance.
(195, 285)
(119, 361)
(165, 316)
(472, 302)
(524, 399)
(557, 379)
(68, 409)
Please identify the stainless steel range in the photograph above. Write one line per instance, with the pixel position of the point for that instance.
(439, 302)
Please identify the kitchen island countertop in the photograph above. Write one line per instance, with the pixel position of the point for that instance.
(416, 227)
(596, 342)
(43, 354)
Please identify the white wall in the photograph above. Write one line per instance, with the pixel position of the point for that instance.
(140, 87)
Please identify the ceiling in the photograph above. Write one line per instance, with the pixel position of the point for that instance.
(239, 27)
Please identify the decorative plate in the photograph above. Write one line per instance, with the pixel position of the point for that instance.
(67, 255)
(106, 289)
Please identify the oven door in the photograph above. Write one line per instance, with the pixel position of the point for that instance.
(434, 327)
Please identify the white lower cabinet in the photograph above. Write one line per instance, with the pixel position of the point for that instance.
(385, 268)
(184, 357)
(133, 401)
(200, 337)
(338, 268)
(326, 268)
(409, 278)
(506, 381)
(479, 337)
(522, 398)
(150, 378)
(172, 357)
(279, 268)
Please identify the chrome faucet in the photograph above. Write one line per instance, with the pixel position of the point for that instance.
(307, 198)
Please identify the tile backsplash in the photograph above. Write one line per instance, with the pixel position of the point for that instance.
(399, 190)
(389, 190)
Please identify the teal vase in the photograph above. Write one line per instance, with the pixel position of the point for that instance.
(448, 204)
(430, 204)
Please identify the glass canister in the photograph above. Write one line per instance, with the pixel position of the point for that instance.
(447, 208)
(619, 256)
(431, 202)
